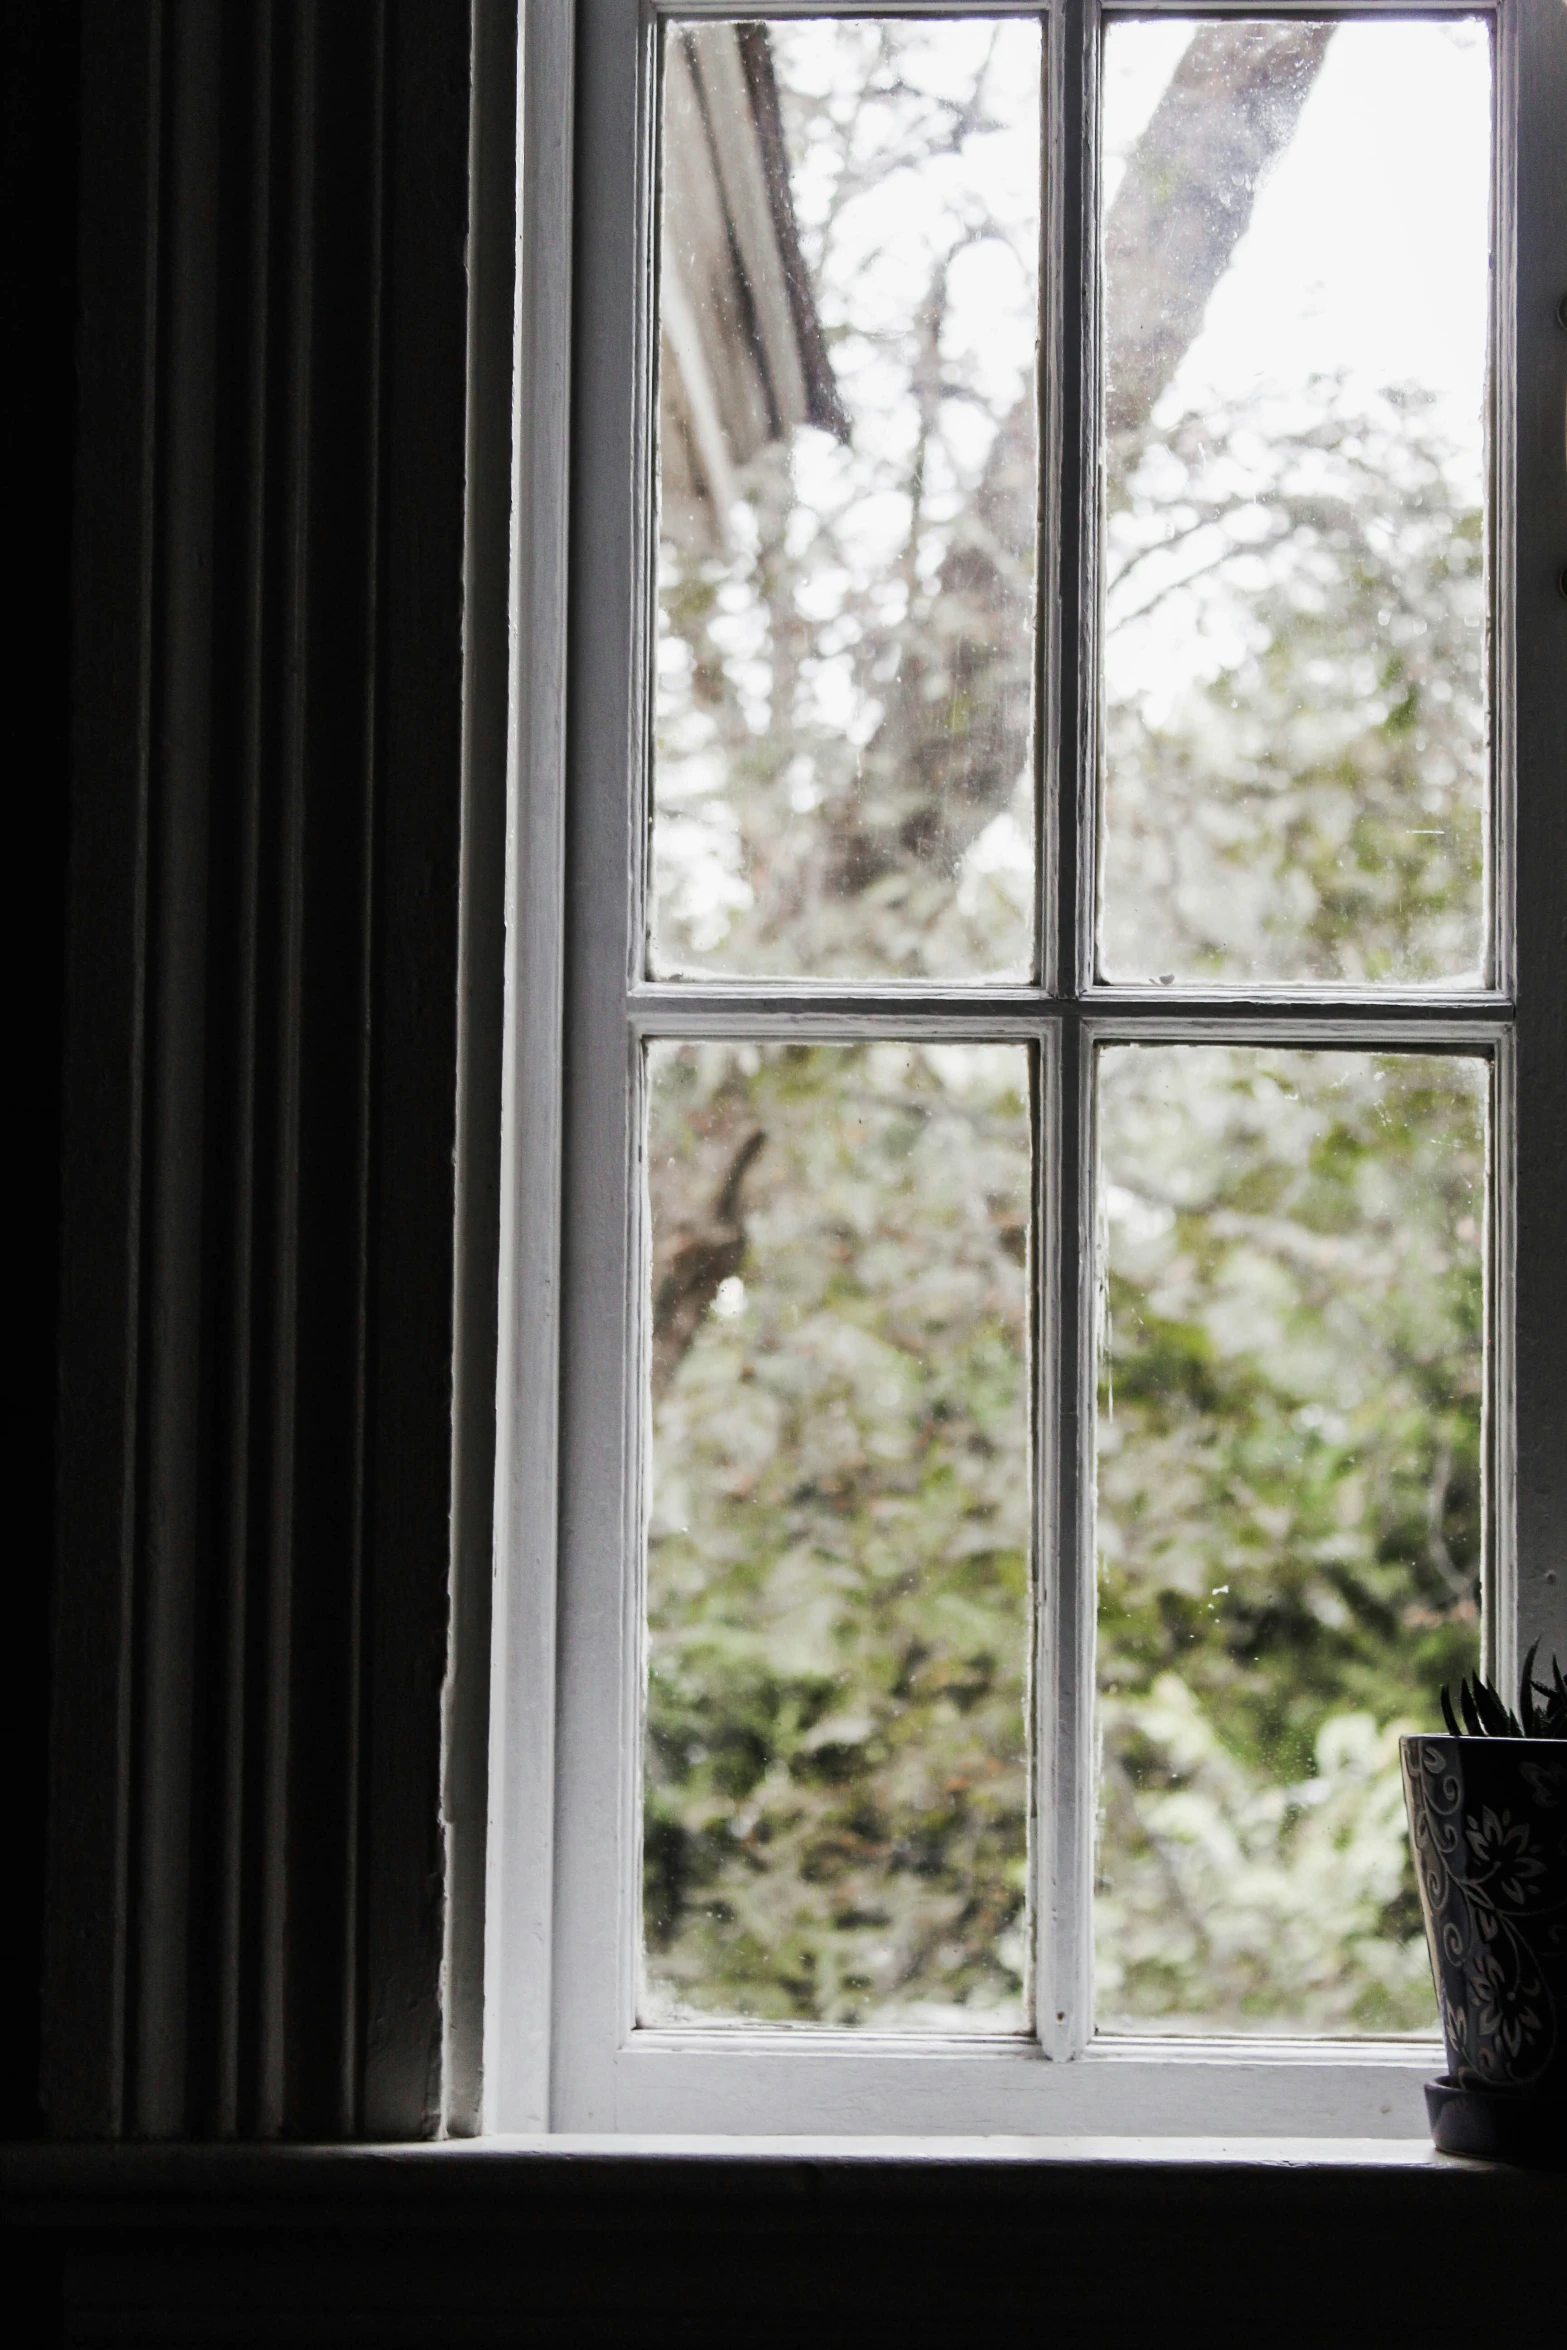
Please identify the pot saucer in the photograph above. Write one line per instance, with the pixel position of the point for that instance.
(1496, 2127)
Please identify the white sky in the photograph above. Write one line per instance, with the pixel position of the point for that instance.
(1367, 257)
(1368, 248)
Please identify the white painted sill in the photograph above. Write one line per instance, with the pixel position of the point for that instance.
(185, 2173)
(922, 2153)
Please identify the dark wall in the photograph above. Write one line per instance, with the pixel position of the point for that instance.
(40, 69)
(258, 1116)
(446, 2247)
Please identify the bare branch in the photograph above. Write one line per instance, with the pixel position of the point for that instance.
(1186, 201)
(707, 1257)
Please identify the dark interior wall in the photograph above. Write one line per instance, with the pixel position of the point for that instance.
(244, 1921)
(40, 71)
(465, 2247)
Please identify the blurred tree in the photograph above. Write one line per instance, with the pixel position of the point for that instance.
(838, 1586)
(837, 1793)
(1290, 1517)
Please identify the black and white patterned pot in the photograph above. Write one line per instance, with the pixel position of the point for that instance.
(1488, 1820)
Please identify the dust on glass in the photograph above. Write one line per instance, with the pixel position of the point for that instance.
(836, 1766)
(843, 778)
(1290, 1520)
(1294, 720)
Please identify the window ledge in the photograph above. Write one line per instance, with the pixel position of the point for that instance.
(65, 2176)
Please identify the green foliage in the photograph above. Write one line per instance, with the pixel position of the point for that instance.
(1289, 1516)
(838, 1581)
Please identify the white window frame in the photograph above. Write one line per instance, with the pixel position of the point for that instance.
(563, 1909)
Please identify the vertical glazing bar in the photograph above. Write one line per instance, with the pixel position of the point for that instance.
(1535, 50)
(1078, 660)
(1066, 1802)
(1053, 571)
(642, 538)
(1499, 1444)
(1063, 1993)
(1501, 952)
(1500, 1648)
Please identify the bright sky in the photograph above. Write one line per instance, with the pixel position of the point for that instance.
(1368, 247)
(1367, 257)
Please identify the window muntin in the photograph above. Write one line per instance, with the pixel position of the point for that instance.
(599, 2070)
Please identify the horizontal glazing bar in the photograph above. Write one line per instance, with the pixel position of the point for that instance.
(702, 1011)
(782, 9)
(1308, 8)
(1485, 1006)
(1395, 2051)
(1394, 1032)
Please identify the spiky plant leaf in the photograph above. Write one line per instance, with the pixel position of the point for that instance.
(1547, 1720)
(1485, 1716)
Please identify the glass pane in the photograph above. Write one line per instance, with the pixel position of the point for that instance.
(1296, 240)
(1290, 1521)
(848, 286)
(838, 1586)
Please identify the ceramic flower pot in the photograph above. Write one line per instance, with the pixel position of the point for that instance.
(1488, 1821)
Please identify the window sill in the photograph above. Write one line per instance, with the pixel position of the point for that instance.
(37, 2180)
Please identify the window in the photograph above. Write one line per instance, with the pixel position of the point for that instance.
(1030, 1061)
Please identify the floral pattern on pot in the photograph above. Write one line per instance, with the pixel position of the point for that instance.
(1488, 1820)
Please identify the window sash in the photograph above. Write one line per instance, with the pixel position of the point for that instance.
(564, 1900)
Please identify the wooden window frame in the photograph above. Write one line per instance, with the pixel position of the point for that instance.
(562, 2050)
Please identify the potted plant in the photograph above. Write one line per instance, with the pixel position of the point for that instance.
(1487, 1807)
